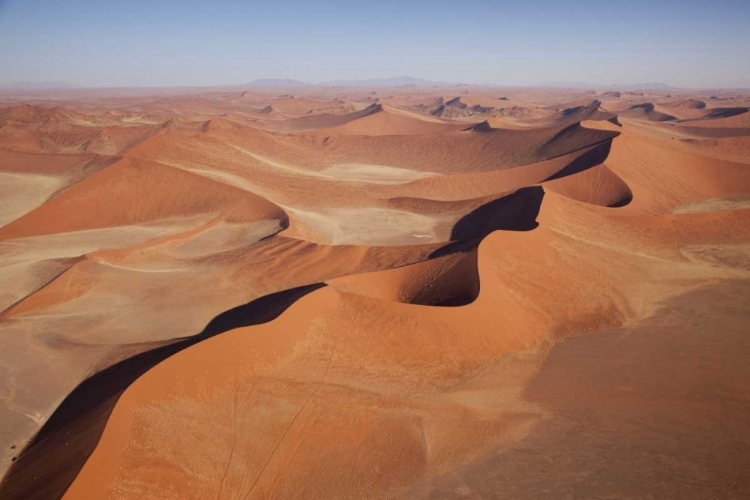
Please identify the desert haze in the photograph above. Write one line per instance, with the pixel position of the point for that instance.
(374, 290)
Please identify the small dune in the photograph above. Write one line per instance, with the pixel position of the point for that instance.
(685, 104)
(645, 111)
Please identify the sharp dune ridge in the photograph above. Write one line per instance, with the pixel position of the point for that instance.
(374, 293)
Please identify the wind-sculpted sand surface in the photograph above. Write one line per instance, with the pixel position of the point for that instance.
(349, 293)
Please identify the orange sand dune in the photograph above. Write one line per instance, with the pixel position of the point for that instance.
(114, 140)
(413, 380)
(48, 119)
(323, 120)
(684, 108)
(489, 101)
(449, 279)
(724, 118)
(44, 164)
(374, 293)
(105, 199)
(390, 121)
(598, 185)
(416, 357)
(645, 111)
(300, 106)
(487, 185)
(481, 151)
(248, 96)
(578, 111)
(685, 104)
(62, 130)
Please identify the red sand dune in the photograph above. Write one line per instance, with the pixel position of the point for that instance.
(450, 294)
(105, 199)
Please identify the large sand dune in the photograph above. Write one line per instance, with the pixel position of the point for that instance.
(374, 293)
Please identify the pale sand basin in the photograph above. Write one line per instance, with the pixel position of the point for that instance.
(371, 226)
(374, 174)
(351, 172)
(713, 205)
(225, 177)
(76, 243)
(736, 256)
(21, 193)
(226, 237)
(28, 263)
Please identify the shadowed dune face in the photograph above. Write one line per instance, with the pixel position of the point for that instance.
(358, 293)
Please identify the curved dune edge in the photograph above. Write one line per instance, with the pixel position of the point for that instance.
(429, 363)
(412, 368)
(60, 290)
(379, 120)
(416, 365)
(451, 279)
(597, 185)
(133, 245)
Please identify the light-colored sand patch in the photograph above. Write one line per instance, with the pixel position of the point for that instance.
(225, 177)
(28, 263)
(351, 172)
(411, 114)
(713, 205)
(21, 193)
(734, 256)
(291, 169)
(225, 237)
(374, 174)
(74, 244)
(141, 120)
(20, 279)
(371, 226)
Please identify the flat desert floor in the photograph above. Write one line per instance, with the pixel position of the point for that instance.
(349, 293)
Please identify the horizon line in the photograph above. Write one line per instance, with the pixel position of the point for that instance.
(354, 82)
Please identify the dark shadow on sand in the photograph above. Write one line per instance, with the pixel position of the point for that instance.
(51, 461)
(595, 156)
(514, 212)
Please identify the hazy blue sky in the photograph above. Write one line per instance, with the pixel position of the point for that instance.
(186, 42)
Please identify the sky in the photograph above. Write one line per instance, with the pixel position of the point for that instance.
(684, 43)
